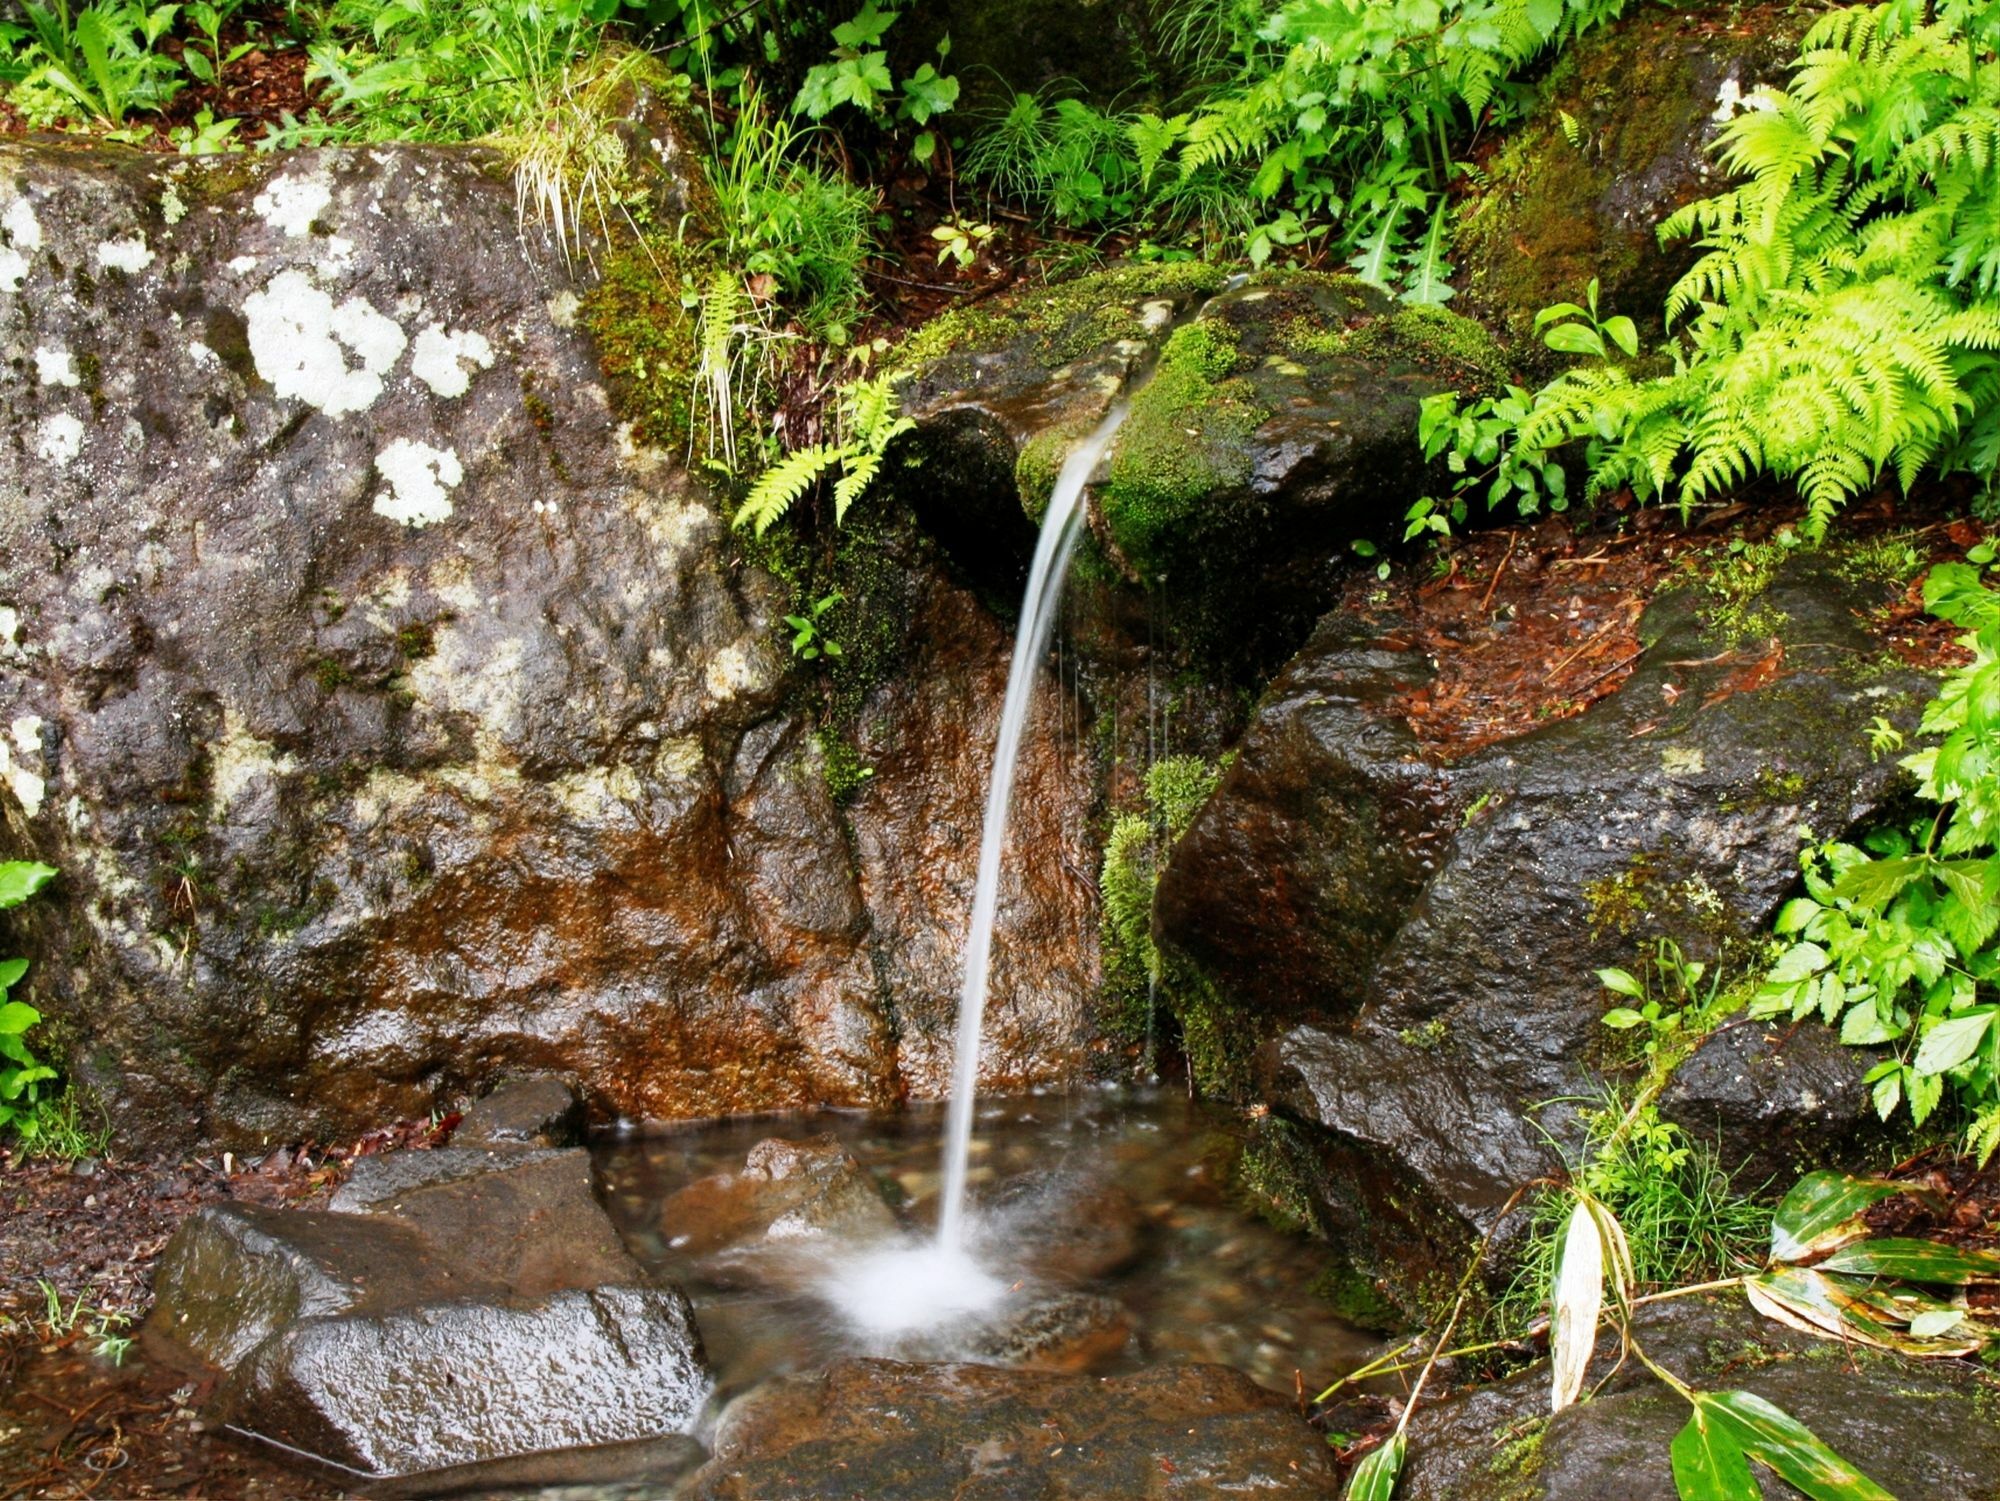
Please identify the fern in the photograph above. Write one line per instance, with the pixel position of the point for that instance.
(781, 486)
(868, 422)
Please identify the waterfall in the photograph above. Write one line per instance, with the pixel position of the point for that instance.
(1053, 548)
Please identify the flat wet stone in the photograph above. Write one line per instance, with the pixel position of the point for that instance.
(542, 1111)
(891, 1431)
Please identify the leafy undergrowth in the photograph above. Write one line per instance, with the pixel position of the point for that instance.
(1533, 624)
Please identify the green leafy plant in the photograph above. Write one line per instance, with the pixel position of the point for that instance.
(1668, 999)
(104, 59)
(960, 241)
(1894, 940)
(809, 640)
(866, 422)
(22, 1075)
(1843, 321)
(858, 74)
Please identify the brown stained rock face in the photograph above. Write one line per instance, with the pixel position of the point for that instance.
(398, 723)
(929, 735)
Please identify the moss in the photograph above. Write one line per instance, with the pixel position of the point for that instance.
(1357, 1298)
(1066, 321)
(1218, 1036)
(416, 641)
(331, 674)
(1041, 460)
(645, 338)
(1425, 1039)
(841, 764)
(1273, 1177)
(1517, 1459)
(1183, 442)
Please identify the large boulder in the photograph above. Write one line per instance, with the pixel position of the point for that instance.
(1618, 139)
(1271, 424)
(1917, 1428)
(400, 719)
(899, 1432)
(1417, 942)
(465, 1327)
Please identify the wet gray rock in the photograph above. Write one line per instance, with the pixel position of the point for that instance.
(1065, 1225)
(399, 721)
(1412, 1021)
(890, 1431)
(536, 1112)
(465, 1327)
(376, 1181)
(1498, 1443)
(1777, 1102)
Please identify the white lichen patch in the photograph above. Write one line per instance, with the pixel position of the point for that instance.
(10, 627)
(55, 367)
(59, 439)
(291, 203)
(563, 308)
(243, 265)
(1683, 761)
(603, 794)
(13, 269)
(300, 342)
(672, 526)
(130, 256)
(21, 763)
(173, 208)
(421, 479)
(737, 668)
(1731, 101)
(24, 230)
(1156, 315)
(239, 761)
(444, 361)
(679, 759)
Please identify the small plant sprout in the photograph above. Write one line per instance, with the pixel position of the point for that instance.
(961, 241)
(809, 642)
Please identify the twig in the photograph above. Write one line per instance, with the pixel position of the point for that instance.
(1512, 543)
(1595, 636)
(1600, 677)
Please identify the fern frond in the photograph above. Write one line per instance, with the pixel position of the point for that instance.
(779, 488)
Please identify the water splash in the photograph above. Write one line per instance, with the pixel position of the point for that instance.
(1060, 527)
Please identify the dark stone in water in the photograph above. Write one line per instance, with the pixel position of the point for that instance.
(788, 1190)
(1053, 1332)
(888, 1431)
(456, 1325)
(1065, 1226)
(537, 1112)
(1498, 1443)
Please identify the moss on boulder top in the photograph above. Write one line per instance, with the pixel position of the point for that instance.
(1277, 425)
(1619, 140)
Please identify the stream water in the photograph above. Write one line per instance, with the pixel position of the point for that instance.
(1116, 1195)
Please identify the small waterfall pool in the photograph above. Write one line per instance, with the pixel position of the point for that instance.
(1100, 1218)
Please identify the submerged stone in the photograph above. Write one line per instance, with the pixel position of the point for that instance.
(788, 1191)
(890, 1431)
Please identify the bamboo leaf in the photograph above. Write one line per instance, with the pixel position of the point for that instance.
(1774, 1437)
(1578, 1301)
(1808, 1300)
(1708, 1466)
(1374, 1479)
(1824, 1210)
(1916, 1260)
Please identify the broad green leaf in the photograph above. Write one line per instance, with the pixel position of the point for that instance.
(1915, 1261)
(1800, 961)
(11, 971)
(1622, 982)
(1374, 1479)
(21, 879)
(1708, 1465)
(1874, 883)
(1864, 1028)
(16, 1017)
(1774, 1437)
(1574, 338)
(1621, 1018)
(1823, 1210)
(1953, 1040)
(1578, 1300)
(1624, 333)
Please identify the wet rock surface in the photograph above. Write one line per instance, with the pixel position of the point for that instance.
(1647, 98)
(1777, 1102)
(462, 1327)
(1421, 1023)
(532, 1112)
(1498, 1443)
(398, 721)
(897, 1432)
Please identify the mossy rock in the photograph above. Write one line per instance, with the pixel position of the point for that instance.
(1642, 101)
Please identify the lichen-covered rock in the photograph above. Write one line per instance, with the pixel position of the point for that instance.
(896, 1432)
(1643, 99)
(1498, 1443)
(1276, 425)
(1423, 1017)
(397, 718)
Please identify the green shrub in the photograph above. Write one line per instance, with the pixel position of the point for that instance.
(1894, 939)
(22, 1075)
